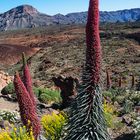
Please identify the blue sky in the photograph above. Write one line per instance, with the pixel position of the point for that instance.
(52, 7)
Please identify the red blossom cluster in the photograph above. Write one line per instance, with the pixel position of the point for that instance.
(27, 79)
(93, 51)
(26, 100)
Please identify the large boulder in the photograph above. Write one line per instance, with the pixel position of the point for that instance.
(5, 79)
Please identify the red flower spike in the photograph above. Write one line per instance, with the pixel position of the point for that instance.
(93, 52)
(28, 80)
(87, 117)
(27, 110)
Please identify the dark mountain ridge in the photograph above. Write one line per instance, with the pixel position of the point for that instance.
(26, 16)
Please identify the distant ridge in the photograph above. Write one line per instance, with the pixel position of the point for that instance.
(26, 16)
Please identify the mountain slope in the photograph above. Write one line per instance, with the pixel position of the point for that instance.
(121, 16)
(26, 16)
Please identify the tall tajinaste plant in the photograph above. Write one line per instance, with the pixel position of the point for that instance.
(26, 106)
(87, 118)
(28, 80)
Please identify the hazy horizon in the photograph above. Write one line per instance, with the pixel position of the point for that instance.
(64, 7)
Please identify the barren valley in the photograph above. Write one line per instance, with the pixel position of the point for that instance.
(60, 50)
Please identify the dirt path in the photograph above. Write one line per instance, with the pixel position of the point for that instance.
(6, 105)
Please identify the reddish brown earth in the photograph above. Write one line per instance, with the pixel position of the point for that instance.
(61, 51)
(11, 54)
(13, 43)
(12, 46)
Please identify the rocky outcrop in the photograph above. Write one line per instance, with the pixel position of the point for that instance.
(5, 79)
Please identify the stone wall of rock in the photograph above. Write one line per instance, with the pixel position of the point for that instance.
(5, 79)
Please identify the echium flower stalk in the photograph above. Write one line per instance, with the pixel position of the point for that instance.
(87, 121)
(108, 79)
(120, 82)
(28, 80)
(133, 81)
(26, 106)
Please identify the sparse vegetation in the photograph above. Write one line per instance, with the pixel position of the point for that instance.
(26, 101)
(9, 89)
(61, 51)
(137, 128)
(16, 134)
(47, 95)
(12, 117)
(53, 125)
(110, 114)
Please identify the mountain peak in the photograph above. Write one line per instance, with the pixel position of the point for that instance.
(26, 16)
(25, 9)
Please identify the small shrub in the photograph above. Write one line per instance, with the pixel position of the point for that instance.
(136, 126)
(53, 125)
(109, 113)
(128, 106)
(5, 136)
(120, 95)
(117, 91)
(16, 134)
(46, 95)
(36, 91)
(11, 117)
(9, 89)
(120, 99)
(135, 98)
(108, 94)
(113, 94)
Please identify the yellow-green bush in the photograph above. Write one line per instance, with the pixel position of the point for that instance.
(5, 136)
(53, 125)
(16, 134)
(109, 113)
